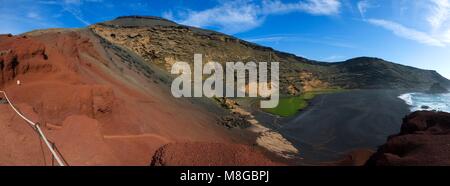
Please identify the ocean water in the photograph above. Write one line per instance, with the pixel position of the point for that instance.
(438, 102)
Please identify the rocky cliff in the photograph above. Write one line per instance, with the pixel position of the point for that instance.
(424, 140)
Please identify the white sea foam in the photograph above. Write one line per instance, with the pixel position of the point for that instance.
(407, 98)
(423, 101)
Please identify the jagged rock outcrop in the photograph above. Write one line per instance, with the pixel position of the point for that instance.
(424, 140)
(16, 59)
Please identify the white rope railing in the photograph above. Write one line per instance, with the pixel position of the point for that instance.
(37, 128)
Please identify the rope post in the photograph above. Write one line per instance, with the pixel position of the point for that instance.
(53, 158)
(49, 146)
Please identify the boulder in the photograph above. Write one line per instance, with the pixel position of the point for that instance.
(424, 140)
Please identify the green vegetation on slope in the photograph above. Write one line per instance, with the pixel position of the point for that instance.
(289, 106)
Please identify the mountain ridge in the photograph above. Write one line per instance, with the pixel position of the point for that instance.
(269, 48)
(163, 42)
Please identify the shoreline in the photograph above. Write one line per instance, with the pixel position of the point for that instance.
(420, 101)
(336, 124)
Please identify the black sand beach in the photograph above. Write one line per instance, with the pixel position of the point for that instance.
(335, 124)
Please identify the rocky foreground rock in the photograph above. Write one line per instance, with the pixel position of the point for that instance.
(424, 140)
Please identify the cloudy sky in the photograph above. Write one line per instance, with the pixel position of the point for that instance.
(409, 32)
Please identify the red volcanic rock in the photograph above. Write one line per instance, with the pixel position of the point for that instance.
(100, 104)
(209, 154)
(20, 56)
(424, 140)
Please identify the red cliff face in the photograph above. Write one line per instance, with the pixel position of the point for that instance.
(99, 103)
(424, 140)
(16, 59)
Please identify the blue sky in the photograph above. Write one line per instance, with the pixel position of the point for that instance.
(409, 32)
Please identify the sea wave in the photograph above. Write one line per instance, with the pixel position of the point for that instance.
(423, 101)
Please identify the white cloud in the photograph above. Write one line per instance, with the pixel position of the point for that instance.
(231, 18)
(72, 1)
(334, 58)
(316, 7)
(268, 39)
(447, 36)
(329, 41)
(242, 15)
(33, 15)
(76, 13)
(16, 24)
(439, 19)
(321, 7)
(363, 6)
(72, 7)
(439, 14)
(168, 15)
(436, 14)
(78, 2)
(407, 33)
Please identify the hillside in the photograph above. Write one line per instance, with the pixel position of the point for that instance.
(372, 73)
(162, 42)
(99, 103)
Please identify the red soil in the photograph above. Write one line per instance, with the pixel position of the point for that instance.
(89, 102)
(213, 154)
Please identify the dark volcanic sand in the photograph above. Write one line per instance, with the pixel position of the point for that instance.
(336, 124)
